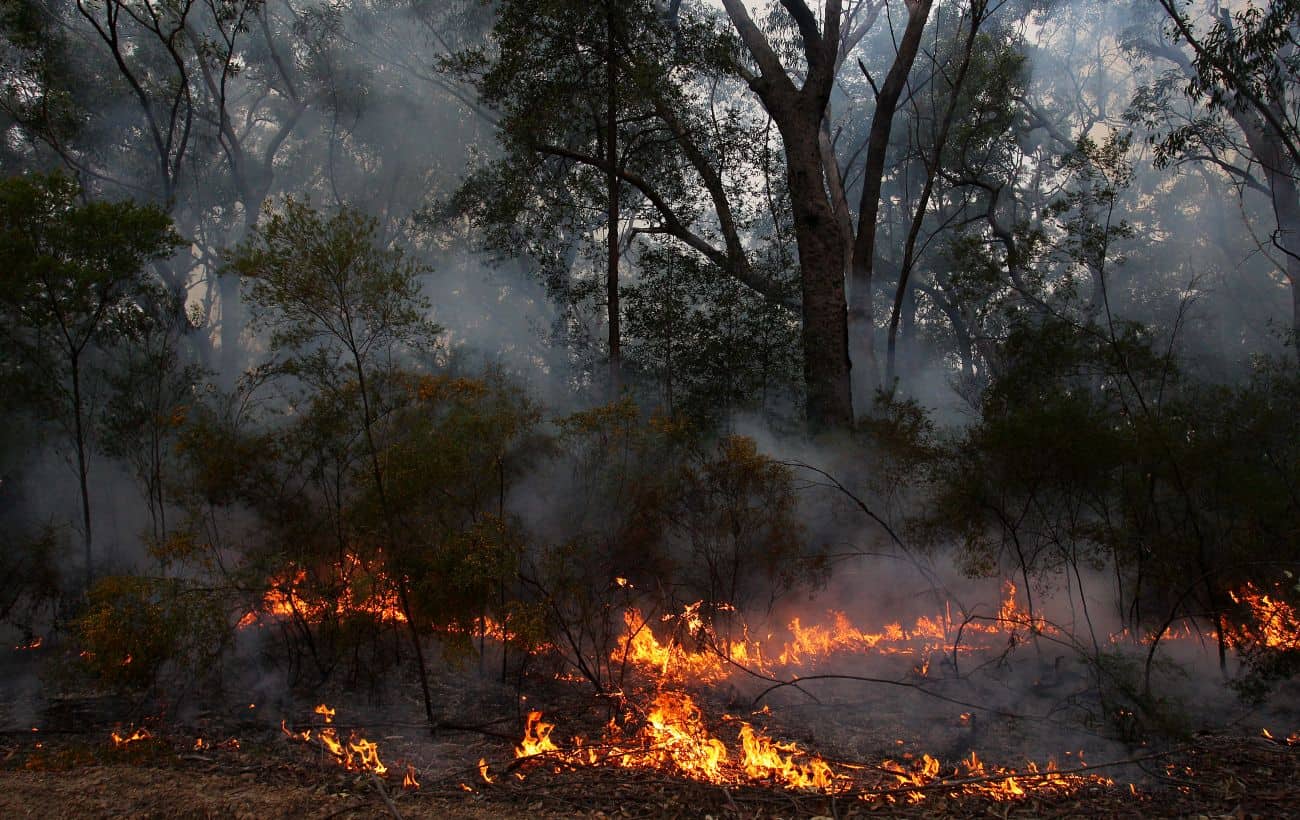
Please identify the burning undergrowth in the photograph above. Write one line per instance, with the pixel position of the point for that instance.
(664, 716)
(703, 695)
(675, 614)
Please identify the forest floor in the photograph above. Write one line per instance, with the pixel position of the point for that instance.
(266, 776)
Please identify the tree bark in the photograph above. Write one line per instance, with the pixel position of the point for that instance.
(827, 369)
(798, 113)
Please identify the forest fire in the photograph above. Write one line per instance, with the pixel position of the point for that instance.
(1273, 624)
(673, 735)
(674, 738)
(355, 588)
(715, 657)
(121, 741)
(356, 754)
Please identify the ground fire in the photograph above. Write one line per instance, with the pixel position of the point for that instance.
(662, 727)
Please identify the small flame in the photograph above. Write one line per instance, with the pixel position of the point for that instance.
(408, 780)
(356, 754)
(122, 741)
(537, 737)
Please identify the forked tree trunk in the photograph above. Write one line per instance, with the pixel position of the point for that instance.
(861, 310)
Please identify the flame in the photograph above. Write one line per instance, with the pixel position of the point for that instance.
(357, 754)
(713, 658)
(330, 740)
(674, 737)
(483, 771)
(367, 756)
(537, 737)
(676, 732)
(287, 595)
(408, 780)
(763, 759)
(121, 741)
(34, 643)
(200, 744)
(1273, 623)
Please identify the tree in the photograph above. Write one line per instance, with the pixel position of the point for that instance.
(74, 277)
(340, 309)
(1241, 68)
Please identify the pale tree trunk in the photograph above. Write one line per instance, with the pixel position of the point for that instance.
(1280, 175)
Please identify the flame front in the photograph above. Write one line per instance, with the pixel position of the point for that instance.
(1273, 624)
(764, 759)
(287, 597)
(678, 738)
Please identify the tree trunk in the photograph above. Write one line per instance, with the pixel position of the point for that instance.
(611, 175)
(827, 370)
(82, 468)
(861, 313)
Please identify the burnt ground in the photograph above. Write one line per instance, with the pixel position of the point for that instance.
(264, 775)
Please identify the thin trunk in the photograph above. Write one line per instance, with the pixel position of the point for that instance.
(388, 524)
(931, 173)
(82, 469)
(611, 175)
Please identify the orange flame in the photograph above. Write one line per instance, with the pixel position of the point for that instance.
(763, 759)
(121, 741)
(537, 737)
(1273, 623)
(287, 598)
(357, 754)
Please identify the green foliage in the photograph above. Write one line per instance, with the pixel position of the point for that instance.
(74, 274)
(1093, 451)
(31, 578)
(136, 630)
(739, 516)
(328, 293)
(712, 346)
